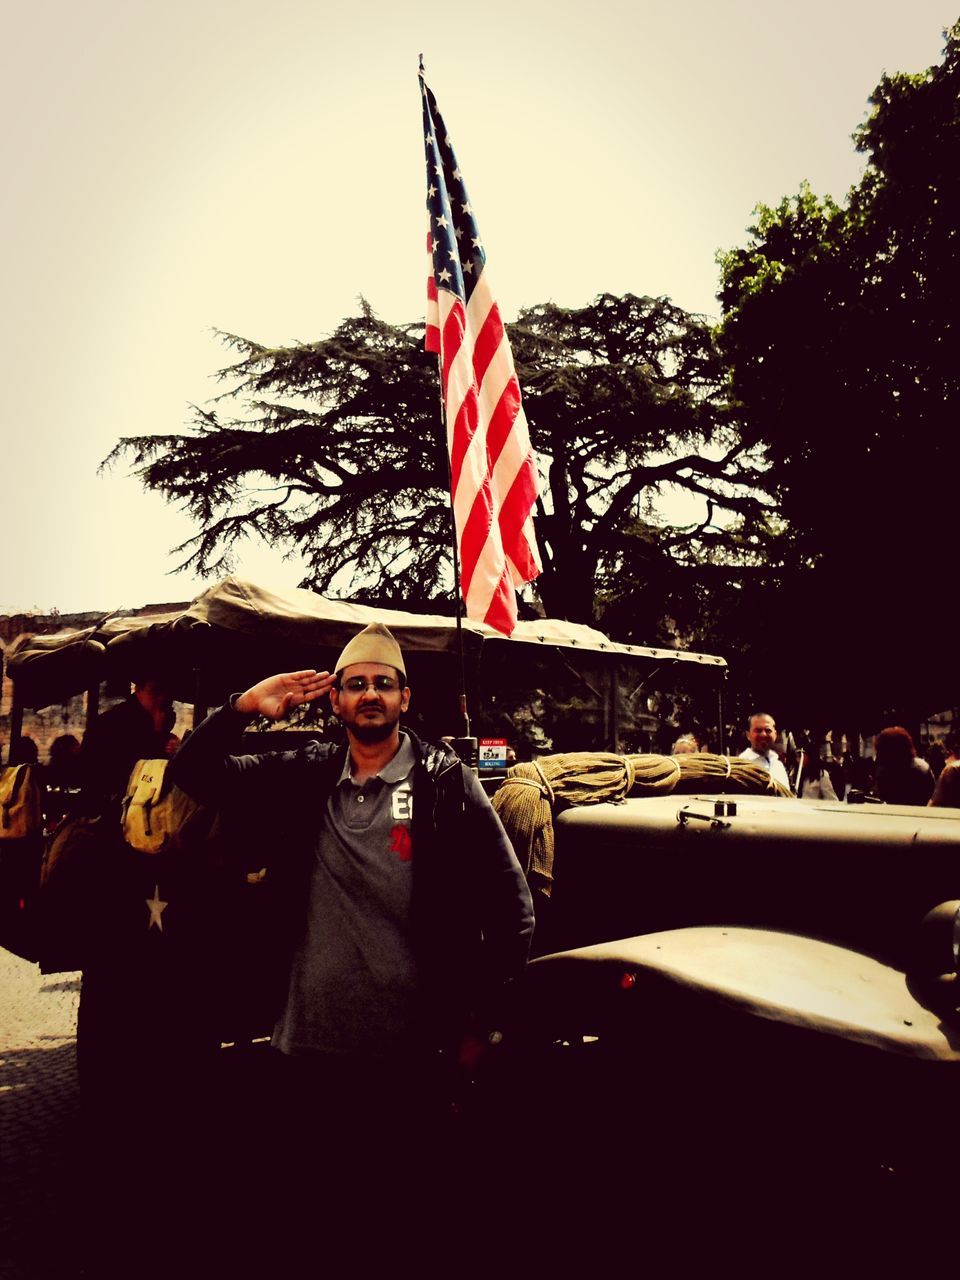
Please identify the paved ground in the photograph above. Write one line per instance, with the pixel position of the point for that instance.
(39, 1123)
(39, 1108)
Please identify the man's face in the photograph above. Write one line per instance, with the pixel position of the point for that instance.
(370, 700)
(154, 694)
(762, 733)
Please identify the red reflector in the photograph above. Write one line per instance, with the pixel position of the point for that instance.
(23, 904)
(628, 981)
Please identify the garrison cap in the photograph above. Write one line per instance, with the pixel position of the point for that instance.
(372, 644)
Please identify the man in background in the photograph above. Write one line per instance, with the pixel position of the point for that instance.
(762, 734)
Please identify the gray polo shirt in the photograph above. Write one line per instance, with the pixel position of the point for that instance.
(353, 977)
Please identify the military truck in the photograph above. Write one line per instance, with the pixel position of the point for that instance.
(234, 634)
(743, 954)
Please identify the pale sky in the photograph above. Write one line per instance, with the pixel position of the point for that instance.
(172, 168)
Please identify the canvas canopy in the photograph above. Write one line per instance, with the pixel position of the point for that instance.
(237, 626)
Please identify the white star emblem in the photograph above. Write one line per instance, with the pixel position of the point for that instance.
(459, 232)
(430, 137)
(156, 908)
(444, 275)
(452, 254)
(431, 191)
(468, 266)
(477, 243)
(442, 222)
(437, 170)
(457, 174)
(467, 208)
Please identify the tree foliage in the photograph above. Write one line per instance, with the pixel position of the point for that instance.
(625, 402)
(335, 449)
(840, 333)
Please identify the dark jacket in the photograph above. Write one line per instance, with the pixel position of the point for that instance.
(909, 782)
(112, 746)
(472, 914)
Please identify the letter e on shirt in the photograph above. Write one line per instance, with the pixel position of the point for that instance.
(401, 806)
(401, 802)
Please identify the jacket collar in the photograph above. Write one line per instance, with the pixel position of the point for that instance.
(435, 758)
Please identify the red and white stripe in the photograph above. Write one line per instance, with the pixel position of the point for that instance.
(492, 467)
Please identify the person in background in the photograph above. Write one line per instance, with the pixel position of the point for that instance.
(137, 729)
(813, 781)
(24, 751)
(62, 778)
(946, 793)
(761, 735)
(146, 1043)
(901, 777)
(936, 757)
(686, 744)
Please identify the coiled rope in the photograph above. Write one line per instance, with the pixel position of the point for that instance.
(530, 794)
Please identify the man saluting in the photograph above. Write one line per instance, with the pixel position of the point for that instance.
(408, 909)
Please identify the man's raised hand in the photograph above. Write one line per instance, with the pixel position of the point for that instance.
(276, 696)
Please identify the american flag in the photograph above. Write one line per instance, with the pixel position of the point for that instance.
(493, 474)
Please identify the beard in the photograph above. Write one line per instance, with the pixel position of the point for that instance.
(370, 733)
(368, 730)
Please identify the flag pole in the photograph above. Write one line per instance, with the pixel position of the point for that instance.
(458, 603)
(493, 480)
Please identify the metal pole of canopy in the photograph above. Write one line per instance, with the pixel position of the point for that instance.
(611, 708)
(16, 726)
(93, 706)
(199, 705)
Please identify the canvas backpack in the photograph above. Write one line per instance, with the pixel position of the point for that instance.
(21, 810)
(156, 815)
(21, 847)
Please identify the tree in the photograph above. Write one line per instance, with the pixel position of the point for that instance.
(840, 332)
(338, 451)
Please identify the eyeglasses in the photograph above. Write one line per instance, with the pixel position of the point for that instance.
(380, 684)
